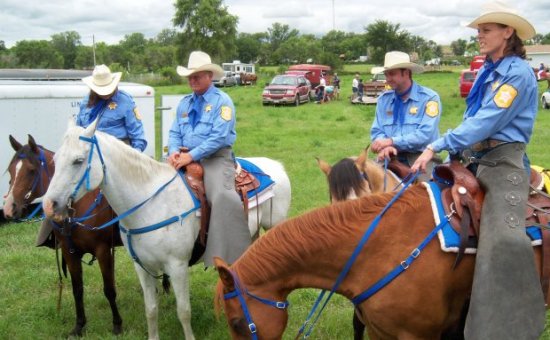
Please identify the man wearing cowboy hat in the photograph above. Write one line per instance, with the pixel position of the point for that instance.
(117, 110)
(507, 300)
(205, 126)
(407, 117)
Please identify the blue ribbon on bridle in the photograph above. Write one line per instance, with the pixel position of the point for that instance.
(86, 176)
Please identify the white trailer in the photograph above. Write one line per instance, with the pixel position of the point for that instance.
(42, 108)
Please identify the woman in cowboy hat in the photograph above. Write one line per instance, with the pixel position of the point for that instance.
(407, 117)
(507, 300)
(116, 109)
(204, 129)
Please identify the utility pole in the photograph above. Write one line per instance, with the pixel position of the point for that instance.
(333, 17)
(93, 48)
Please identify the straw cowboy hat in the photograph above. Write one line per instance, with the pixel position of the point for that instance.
(102, 81)
(395, 60)
(498, 12)
(200, 61)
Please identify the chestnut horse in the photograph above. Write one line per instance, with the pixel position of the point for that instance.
(30, 172)
(309, 251)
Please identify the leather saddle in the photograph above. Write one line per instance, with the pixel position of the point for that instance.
(462, 198)
(244, 182)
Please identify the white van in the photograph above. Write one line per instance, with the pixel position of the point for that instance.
(41, 102)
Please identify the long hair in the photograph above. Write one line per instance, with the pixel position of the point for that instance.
(514, 45)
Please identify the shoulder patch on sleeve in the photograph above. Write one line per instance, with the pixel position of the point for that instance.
(136, 113)
(226, 113)
(432, 108)
(505, 96)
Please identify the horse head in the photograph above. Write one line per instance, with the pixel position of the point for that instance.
(30, 170)
(249, 314)
(80, 169)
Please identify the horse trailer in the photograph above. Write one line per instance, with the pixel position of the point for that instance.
(41, 102)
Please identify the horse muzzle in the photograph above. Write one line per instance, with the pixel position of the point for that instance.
(54, 210)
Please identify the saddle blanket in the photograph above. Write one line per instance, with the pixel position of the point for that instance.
(448, 237)
(264, 191)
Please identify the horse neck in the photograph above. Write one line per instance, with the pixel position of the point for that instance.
(130, 176)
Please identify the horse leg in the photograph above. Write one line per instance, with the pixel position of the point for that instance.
(148, 285)
(107, 266)
(74, 262)
(179, 276)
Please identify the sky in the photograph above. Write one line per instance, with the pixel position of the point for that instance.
(442, 21)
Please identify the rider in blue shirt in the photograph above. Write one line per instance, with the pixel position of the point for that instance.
(117, 110)
(506, 300)
(407, 116)
(204, 131)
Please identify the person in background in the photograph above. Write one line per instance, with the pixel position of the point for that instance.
(336, 85)
(116, 109)
(507, 300)
(355, 86)
(320, 89)
(407, 117)
(204, 132)
(360, 88)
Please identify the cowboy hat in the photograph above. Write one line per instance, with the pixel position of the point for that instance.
(102, 81)
(498, 12)
(395, 60)
(200, 61)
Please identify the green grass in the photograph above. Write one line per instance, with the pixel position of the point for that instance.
(293, 135)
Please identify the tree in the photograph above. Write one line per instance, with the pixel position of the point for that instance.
(278, 34)
(207, 26)
(167, 37)
(37, 54)
(249, 46)
(459, 47)
(66, 44)
(383, 36)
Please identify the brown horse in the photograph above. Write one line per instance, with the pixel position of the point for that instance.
(248, 78)
(425, 302)
(30, 171)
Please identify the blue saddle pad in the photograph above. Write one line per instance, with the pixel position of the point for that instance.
(449, 238)
(265, 181)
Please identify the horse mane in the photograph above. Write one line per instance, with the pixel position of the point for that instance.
(344, 177)
(135, 164)
(289, 243)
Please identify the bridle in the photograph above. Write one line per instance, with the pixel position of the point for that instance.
(86, 175)
(240, 292)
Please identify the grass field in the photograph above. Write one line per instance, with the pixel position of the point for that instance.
(293, 135)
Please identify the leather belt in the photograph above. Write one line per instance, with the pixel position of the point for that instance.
(487, 144)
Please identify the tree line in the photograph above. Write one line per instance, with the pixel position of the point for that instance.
(207, 25)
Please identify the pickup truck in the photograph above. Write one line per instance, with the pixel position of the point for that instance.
(372, 89)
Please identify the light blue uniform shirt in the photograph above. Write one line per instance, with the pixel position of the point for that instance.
(421, 125)
(120, 118)
(215, 128)
(508, 109)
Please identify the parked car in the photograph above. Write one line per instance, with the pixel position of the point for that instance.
(381, 77)
(466, 81)
(545, 99)
(286, 89)
(228, 79)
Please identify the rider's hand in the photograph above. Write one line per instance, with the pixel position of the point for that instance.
(380, 144)
(422, 161)
(386, 153)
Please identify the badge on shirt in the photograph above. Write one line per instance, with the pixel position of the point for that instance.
(495, 85)
(413, 110)
(112, 105)
(226, 113)
(432, 108)
(137, 114)
(505, 96)
(208, 108)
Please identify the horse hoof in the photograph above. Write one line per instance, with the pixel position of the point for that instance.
(76, 332)
(117, 329)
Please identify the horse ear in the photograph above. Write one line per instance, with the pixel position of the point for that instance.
(15, 144)
(324, 166)
(90, 130)
(224, 273)
(33, 145)
(363, 156)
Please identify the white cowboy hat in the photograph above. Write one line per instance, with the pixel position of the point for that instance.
(396, 60)
(498, 12)
(200, 61)
(102, 81)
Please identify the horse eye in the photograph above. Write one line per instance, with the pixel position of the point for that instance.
(78, 161)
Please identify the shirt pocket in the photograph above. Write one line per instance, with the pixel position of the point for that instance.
(204, 127)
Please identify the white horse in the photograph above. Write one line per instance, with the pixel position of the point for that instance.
(128, 178)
